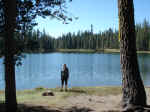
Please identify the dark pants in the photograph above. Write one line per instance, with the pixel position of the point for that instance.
(64, 80)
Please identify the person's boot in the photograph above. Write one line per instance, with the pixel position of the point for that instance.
(61, 88)
(66, 88)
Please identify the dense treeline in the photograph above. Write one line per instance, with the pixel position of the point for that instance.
(81, 40)
(36, 41)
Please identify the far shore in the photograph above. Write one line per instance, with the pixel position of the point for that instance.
(82, 51)
(95, 51)
(91, 51)
(85, 51)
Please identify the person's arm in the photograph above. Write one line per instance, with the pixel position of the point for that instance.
(61, 74)
(68, 72)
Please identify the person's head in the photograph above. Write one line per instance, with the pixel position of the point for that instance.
(65, 66)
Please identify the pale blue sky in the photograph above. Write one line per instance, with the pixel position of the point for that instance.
(103, 14)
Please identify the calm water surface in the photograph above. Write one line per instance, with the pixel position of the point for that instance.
(85, 70)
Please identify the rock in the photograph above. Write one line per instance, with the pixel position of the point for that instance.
(48, 93)
(90, 99)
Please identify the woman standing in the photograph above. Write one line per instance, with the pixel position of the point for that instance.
(64, 77)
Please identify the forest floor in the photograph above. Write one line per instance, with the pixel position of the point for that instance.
(76, 99)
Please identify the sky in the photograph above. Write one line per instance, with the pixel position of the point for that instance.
(102, 14)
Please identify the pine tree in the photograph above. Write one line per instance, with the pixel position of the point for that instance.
(132, 85)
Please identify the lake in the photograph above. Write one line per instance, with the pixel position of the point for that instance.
(85, 70)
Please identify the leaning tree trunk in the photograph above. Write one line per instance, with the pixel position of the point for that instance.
(133, 88)
(10, 85)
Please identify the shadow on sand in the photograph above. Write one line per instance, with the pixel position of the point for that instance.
(28, 108)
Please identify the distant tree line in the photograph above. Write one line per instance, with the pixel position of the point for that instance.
(82, 40)
(36, 41)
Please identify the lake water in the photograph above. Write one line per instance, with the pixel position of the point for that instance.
(85, 70)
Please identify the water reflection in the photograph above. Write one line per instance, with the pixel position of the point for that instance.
(144, 67)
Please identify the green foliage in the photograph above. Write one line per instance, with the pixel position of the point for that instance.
(143, 35)
(1, 18)
(35, 41)
(28, 10)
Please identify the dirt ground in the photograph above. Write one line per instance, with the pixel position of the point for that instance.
(90, 103)
(81, 103)
(95, 103)
(62, 102)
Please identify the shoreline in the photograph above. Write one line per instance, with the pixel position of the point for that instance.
(91, 51)
(85, 51)
(40, 88)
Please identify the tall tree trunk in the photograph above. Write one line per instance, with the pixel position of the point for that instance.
(133, 88)
(10, 85)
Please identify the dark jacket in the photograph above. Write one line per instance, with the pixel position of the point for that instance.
(65, 74)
